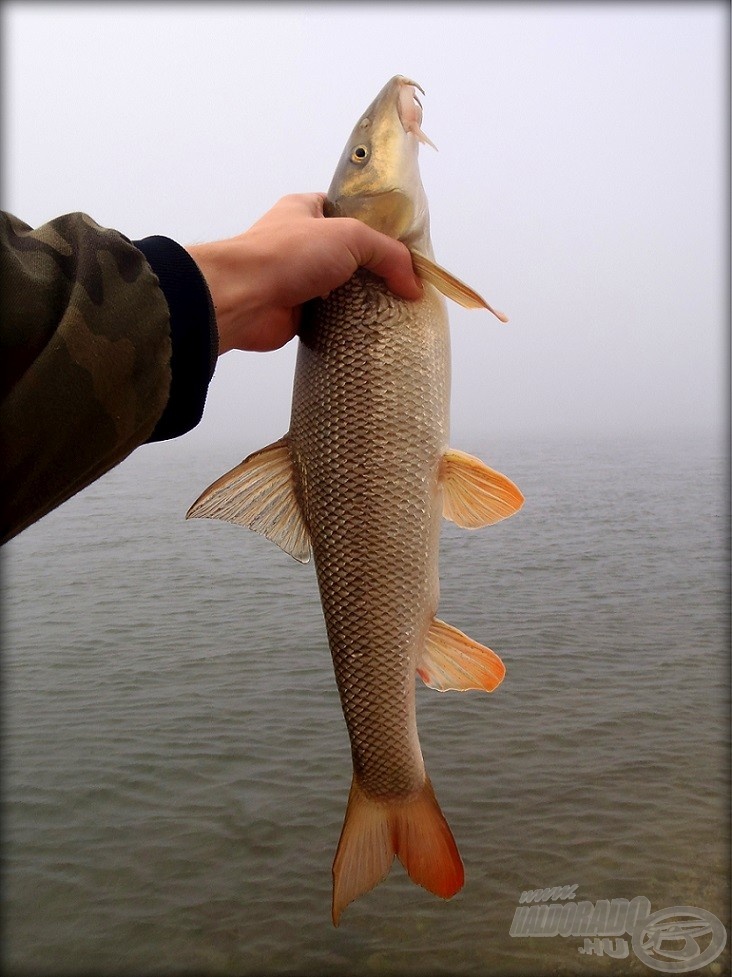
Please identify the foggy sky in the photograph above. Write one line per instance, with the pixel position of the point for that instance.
(579, 183)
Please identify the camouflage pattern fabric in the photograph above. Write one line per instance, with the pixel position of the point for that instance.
(85, 355)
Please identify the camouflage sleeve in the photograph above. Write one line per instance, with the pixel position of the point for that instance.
(90, 329)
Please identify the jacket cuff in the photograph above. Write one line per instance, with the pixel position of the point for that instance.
(193, 334)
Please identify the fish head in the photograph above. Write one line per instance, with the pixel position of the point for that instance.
(377, 179)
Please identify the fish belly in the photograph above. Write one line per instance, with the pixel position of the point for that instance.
(369, 428)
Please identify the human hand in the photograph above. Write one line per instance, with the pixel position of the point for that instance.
(259, 279)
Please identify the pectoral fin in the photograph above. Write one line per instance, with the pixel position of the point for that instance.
(453, 661)
(450, 286)
(474, 494)
(260, 494)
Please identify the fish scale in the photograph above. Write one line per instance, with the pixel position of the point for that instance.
(379, 368)
(361, 480)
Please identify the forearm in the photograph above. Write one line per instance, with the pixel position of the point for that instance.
(85, 336)
(93, 323)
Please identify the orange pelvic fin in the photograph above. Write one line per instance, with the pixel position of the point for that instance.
(476, 495)
(260, 494)
(374, 831)
(453, 661)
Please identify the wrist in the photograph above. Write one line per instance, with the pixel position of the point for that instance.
(230, 287)
(193, 333)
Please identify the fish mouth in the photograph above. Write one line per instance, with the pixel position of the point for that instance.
(409, 109)
(414, 84)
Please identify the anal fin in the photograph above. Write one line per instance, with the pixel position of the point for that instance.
(260, 494)
(474, 494)
(453, 661)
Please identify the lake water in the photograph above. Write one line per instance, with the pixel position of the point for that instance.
(176, 766)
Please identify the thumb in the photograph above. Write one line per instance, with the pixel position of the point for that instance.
(390, 260)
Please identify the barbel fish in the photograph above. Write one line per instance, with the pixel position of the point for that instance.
(361, 480)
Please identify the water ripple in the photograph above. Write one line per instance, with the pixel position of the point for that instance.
(176, 764)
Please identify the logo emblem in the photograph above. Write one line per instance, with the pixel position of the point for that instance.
(678, 939)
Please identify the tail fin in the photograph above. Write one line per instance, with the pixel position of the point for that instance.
(374, 831)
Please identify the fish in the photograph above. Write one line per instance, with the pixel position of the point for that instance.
(361, 482)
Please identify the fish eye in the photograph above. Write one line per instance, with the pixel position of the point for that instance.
(360, 154)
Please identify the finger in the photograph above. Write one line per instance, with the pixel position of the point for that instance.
(392, 261)
(304, 204)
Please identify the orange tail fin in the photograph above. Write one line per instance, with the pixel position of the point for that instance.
(374, 831)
